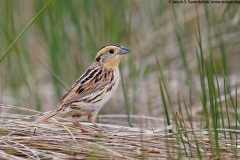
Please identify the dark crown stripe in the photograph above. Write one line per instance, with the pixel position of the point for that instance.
(117, 45)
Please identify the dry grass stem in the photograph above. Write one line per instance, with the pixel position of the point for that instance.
(60, 138)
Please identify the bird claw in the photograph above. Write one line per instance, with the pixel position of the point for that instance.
(102, 130)
(85, 130)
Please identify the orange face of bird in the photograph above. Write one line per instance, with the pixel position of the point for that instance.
(111, 55)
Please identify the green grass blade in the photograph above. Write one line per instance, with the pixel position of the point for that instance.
(25, 29)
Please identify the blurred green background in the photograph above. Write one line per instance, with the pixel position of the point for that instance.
(63, 41)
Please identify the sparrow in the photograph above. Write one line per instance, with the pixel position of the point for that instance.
(93, 89)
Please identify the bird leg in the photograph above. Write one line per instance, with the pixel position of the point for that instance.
(76, 118)
(91, 117)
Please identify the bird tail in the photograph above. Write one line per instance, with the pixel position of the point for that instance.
(45, 117)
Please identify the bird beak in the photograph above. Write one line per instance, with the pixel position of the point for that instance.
(124, 51)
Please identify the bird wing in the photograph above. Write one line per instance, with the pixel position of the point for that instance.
(92, 81)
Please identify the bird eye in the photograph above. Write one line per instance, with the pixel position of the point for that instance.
(111, 51)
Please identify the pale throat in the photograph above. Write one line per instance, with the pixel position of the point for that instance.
(113, 62)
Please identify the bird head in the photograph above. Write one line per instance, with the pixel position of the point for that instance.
(111, 55)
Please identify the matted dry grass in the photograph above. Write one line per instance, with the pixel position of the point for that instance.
(60, 138)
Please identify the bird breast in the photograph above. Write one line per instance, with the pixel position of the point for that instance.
(95, 100)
